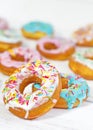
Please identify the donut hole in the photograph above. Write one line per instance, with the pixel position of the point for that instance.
(17, 57)
(65, 83)
(29, 81)
(50, 46)
(36, 86)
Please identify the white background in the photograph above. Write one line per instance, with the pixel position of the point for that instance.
(65, 16)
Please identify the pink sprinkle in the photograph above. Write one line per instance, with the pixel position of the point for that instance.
(41, 67)
(21, 100)
(11, 99)
(35, 98)
(78, 77)
(27, 102)
(46, 76)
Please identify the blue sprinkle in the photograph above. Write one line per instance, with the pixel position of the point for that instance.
(37, 86)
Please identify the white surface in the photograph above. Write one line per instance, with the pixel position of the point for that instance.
(65, 15)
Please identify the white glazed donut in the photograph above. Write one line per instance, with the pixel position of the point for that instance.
(31, 105)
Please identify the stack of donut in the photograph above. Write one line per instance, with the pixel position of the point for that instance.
(34, 85)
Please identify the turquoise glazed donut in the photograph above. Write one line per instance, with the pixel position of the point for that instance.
(37, 29)
(76, 91)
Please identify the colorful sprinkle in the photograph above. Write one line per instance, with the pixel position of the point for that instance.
(44, 91)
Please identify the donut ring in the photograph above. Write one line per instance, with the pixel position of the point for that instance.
(84, 36)
(32, 105)
(9, 39)
(3, 24)
(75, 90)
(56, 48)
(36, 30)
(81, 65)
(12, 59)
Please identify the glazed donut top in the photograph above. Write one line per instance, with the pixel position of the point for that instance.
(10, 36)
(77, 89)
(83, 60)
(3, 24)
(42, 69)
(38, 27)
(28, 54)
(61, 44)
(84, 33)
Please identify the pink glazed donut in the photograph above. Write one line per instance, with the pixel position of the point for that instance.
(56, 48)
(14, 58)
(3, 24)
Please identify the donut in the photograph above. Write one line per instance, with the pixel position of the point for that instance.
(75, 90)
(30, 105)
(12, 59)
(56, 48)
(37, 30)
(80, 64)
(84, 36)
(9, 38)
(3, 24)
